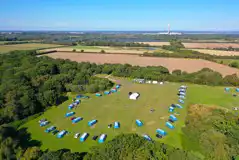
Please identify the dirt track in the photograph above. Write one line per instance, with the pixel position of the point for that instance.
(198, 45)
(188, 65)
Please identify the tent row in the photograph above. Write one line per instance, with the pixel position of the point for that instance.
(113, 90)
(74, 104)
(86, 135)
(227, 89)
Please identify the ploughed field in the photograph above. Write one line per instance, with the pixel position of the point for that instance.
(188, 65)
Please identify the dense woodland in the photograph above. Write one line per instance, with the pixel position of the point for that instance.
(30, 84)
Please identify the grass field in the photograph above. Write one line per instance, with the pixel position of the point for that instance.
(97, 49)
(217, 52)
(227, 61)
(117, 107)
(27, 46)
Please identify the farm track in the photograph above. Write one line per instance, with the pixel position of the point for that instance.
(188, 65)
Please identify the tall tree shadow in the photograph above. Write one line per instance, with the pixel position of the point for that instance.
(26, 140)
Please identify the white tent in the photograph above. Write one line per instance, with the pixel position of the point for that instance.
(134, 96)
(155, 82)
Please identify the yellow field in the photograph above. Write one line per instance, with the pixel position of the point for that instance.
(27, 46)
(217, 52)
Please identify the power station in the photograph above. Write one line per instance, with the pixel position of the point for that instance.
(169, 32)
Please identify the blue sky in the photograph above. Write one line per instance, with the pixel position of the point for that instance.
(119, 15)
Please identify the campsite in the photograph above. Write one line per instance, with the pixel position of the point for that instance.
(117, 106)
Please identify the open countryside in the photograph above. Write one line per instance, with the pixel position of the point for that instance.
(188, 65)
(217, 52)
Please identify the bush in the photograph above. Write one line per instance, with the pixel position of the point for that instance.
(102, 51)
(82, 51)
(74, 50)
(234, 64)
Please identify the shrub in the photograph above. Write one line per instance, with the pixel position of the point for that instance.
(102, 51)
(74, 50)
(82, 51)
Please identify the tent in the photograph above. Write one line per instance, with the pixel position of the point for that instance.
(61, 134)
(44, 123)
(173, 118)
(116, 125)
(161, 132)
(117, 86)
(227, 89)
(70, 106)
(139, 123)
(155, 82)
(102, 138)
(169, 125)
(50, 129)
(134, 96)
(98, 94)
(173, 105)
(107, 92)
(181, 101)
(237, 89)
(84, 137)
(182, 90)
(182, 97)
(113, 90)
(77, 101)
(183, 87)
(182, 93)
(70, 114)
(179, 106)
(78, 119)
(147, 137)
(79, 96)
(92, 122)
(171, 109)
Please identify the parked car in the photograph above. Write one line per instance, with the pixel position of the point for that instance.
(76, 135)
(94, 138)
(55, 132)
(159, 136)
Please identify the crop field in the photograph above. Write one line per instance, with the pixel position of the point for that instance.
(217, 52)
(227, 61)
(27, 46)
(188, 65)
(117, 107)
(198, 45)
(97, 49)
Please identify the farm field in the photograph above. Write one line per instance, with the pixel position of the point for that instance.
(217, 52)
(27, 46)
(188, 65)
(227, 61)
(97, 49)
(117, 107)
(198, 45)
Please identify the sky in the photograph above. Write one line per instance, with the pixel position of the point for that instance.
(119, 15)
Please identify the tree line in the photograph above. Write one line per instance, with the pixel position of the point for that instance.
(112, 43)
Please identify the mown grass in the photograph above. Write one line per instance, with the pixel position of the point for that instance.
(117, 107)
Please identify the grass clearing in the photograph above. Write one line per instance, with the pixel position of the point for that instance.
(117, 107)
(26, 46)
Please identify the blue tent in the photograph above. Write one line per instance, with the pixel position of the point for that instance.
(237, 89)
(169, 125)
(173, 118)
(70, 114)
(147, 137)
(139, 123)
(107, 92)
(113, 90)
(79, 96)
(182, 97)
(181, 101)
(171, 109)
(179, 106)
(92, 122)
(182, 93)
(117, 86)
(98, 94)
(77, 119)
(50, 129)
(84, 137)
(70, 106)
(161, 132)
(116, 125)
(61, 134)
(44, 123)
(102, 138)
(77, 101)
(227, 89)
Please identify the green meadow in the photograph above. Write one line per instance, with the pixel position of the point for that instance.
(117, 107)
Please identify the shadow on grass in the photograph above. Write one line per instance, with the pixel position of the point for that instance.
(61, 100)
(26, 140)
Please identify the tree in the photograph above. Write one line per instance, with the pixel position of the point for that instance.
(234, 64)
(102, 51)
(32, 153)
(74, 50)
